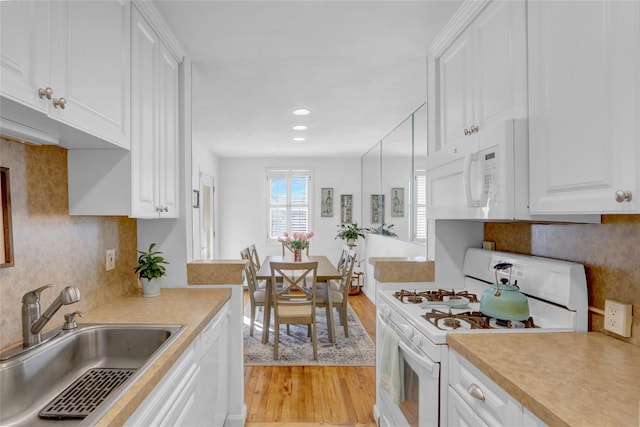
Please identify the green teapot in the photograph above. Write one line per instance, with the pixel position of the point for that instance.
(503, 300)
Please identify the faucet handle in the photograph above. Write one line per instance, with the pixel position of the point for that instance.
(34, 295)
(70, 320)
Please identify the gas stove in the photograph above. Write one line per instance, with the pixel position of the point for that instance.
(556, 290)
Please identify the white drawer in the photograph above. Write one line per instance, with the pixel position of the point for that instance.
(491, 403)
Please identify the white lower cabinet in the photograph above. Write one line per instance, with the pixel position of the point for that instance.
(194, 391)
(475, 400)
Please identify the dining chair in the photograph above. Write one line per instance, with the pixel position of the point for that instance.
(255, 259)
(339, 291)
(343, 258)
(257, 294)
(293, 303)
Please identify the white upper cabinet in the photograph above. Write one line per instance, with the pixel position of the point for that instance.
(71, 61)
(584, 106)
(477, 76)
(154, 147)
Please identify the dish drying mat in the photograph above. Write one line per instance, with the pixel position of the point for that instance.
(86, 393)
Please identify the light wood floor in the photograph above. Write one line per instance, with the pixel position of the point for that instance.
(314, 396)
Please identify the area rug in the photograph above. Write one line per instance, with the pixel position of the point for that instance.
(296, 348)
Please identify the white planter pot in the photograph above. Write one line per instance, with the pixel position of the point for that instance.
(150, 288)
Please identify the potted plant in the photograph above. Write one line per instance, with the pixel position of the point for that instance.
(149, 268)
(350, 233)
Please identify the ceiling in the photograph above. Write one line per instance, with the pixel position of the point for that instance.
(359, 66)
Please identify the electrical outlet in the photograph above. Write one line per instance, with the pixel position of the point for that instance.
(111, 259)
(617, 317)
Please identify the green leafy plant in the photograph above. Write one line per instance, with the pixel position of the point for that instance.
(350, 232)
(383, 229)
(150, 264)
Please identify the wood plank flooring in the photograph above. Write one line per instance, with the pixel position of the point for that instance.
(314, 396)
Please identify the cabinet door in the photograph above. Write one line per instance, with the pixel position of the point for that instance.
(90, 66)
(167, 174)
(144, 102)
(461, 414)
(24, 51)
(455, 93)
(584, 60)
(500, 62)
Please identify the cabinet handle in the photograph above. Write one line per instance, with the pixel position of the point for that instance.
(623, 196)
(475, 391)
(59, 103)
(45, 93)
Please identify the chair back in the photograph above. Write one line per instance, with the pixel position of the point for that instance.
(347, 272)
(298, 283)
(343, 258)
(249, 272)
(255, 259)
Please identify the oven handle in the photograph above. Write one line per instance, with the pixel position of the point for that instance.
(423, 361)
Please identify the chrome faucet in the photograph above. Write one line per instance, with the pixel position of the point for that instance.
(33, 322)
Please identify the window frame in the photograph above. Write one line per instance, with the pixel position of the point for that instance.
(287, 174)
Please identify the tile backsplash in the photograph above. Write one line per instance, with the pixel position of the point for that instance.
(610, 252)
(51, 247)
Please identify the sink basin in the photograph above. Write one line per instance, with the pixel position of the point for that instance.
(30, 380)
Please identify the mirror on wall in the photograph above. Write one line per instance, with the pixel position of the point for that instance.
(394, 179)
(6, 246)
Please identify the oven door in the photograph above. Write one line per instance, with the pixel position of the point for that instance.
(419, 404)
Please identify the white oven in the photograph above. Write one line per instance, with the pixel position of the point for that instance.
(411, 351)
(410, 399)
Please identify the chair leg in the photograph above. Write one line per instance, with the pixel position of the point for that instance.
(253, 319)
(314, 339)
(276, 338)
(343, 318)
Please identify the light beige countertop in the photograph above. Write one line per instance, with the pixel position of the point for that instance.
(565, 379)
(403, 269)
(192, 307)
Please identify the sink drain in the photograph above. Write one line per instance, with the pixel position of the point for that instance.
(86, 393)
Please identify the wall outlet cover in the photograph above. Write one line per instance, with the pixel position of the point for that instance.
(110, 259)
(617, 317)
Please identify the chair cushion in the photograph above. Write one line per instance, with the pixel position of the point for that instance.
(294, 311)
(336, 296)
(258, 296)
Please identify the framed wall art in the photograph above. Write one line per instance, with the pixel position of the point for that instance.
(346, 208)
(377, 208)
(326, 202)
(397, 202)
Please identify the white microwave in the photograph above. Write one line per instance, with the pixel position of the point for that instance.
(485, 177)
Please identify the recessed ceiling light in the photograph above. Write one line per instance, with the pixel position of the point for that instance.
(299, 127)
(302, 112)
(299, 139)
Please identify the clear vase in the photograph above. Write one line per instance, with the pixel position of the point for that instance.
(297, 255)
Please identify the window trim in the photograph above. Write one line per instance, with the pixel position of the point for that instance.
(288, 174)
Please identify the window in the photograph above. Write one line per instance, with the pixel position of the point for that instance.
(420, 197)
(288, 202)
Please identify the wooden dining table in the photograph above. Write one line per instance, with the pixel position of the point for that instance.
(326, 271)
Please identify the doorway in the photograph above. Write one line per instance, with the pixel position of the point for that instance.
(207, 218)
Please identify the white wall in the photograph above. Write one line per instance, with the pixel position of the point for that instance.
(241, 208)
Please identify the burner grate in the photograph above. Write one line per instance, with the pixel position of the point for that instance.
(86, 393)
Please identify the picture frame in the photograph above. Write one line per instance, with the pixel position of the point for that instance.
(346, 208)
(377, 208)
(326, 202)
(397, 202)
(195, 199)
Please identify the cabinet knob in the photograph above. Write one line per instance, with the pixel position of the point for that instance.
(623, 196)
(475, 391)
(467, 131)
(45, 93)
(473, 129)
(165, 209)
(59, 103)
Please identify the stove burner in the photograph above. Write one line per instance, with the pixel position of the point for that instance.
(415, 297)
(472, 320)
(451, 322)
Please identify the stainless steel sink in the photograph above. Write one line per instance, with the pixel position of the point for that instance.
(30, 380)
